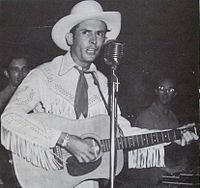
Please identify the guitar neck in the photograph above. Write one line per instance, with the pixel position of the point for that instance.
(143, 140)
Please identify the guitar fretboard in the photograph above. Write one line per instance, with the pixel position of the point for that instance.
(143, 140)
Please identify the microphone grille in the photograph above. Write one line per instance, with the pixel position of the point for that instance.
(113, 51)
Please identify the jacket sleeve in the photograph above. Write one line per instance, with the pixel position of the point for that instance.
(24, 135)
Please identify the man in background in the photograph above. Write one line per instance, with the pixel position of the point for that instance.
(15, 72)
(159, 116)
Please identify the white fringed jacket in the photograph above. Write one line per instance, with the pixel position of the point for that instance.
(50, 88)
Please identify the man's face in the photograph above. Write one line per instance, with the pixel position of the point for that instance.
(87, 41)
(17, 71)
(165, 92)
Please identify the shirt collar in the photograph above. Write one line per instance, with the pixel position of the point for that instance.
(68, 63)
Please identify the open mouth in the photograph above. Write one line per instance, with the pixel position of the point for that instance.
(91, 51)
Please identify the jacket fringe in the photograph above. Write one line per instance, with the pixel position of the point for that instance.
(33, 153)
(147, 157)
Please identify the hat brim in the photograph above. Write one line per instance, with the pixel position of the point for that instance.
(64, 25)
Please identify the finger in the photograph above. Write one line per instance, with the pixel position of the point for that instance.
(195, 137)
(85, 158)
(183, 142)
(79, 158)
(91, 155)
(188, 137)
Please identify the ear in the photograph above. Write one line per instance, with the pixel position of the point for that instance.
(69, 38)
(105, 40)
(156, 91)
(5, 72)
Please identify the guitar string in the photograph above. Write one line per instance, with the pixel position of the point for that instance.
(191, 125)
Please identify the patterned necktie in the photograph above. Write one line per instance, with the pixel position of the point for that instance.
(81, 96)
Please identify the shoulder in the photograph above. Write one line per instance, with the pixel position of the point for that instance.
(101, 77)
(145, 118)
(52, 66)
(49, 69)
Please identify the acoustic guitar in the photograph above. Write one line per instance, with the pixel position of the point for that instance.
(96, 131)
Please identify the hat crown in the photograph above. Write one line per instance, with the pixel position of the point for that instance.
(88, 6)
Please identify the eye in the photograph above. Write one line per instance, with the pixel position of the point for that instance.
(85, 32)
(101, 33)
(161, 88)
(171, 90)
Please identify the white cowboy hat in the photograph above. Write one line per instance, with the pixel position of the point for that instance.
(88, 9)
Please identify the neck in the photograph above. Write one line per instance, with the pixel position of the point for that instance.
(84, 65)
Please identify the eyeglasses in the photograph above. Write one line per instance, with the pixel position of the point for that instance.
(162, 89)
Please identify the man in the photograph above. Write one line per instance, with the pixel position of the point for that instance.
(159, 116)
(15, 72)
(53, 88)
(67, 88)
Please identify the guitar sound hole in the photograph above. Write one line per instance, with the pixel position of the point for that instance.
(77, 169)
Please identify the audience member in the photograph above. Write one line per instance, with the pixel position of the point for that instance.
(159, 116)
(15, 72)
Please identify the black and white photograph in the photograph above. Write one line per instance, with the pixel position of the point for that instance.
(99, 94)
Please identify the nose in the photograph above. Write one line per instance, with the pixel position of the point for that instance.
(24, 72)
(93, 39)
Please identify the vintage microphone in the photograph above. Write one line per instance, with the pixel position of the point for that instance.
(113, 52)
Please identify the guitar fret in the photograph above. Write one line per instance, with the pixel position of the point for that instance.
(136, 141)
(140, 136)
(128, 143)
(144, 139)
(178, 134)
(121, 143)
(159, 137)
(168, 135)
(147, 142)
(151, 138)
(174, 135)
(118, 143)
(163, 138)
(125, 143)
(106, 146)
(102, 146)
(171, 135)
(154, 137)
(131, 141)
(166, 139)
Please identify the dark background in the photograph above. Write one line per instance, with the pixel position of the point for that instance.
(159, 36)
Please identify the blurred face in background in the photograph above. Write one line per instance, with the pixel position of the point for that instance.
(165, 92)
(17, 71)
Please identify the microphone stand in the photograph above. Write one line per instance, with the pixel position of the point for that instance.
(113, 52)
(113, 123)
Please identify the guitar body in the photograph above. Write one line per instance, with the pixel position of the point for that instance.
(97, 128)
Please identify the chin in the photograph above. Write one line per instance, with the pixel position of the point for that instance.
(165, 102)
(91, 57)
